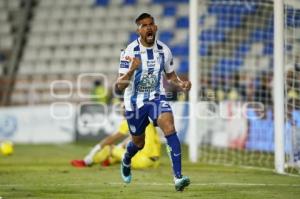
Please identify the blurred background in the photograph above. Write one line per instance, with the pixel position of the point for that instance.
(59, 60)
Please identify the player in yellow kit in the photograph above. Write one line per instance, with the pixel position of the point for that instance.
(109, 153)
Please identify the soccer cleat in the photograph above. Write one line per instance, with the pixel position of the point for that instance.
(105, 163)
(125, 172)
(78, 163)
(181, 183)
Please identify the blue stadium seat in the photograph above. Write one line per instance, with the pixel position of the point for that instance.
(161, 1)
(166, 36)
(182, 22)
(260, 35)
(270, 25)
(238, 9)
(129, 2)
(183, 67)
(170, 10)
(180, 50)
(204, 49)
(228, 65)
(243, 48)
(293, 17)
(268, 48)
(219, 9)
(133, 36)
(228, 21)
(212, 35)
(169, 1)
(102, 2)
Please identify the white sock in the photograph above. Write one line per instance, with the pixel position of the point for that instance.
(88, 159)
(176, 179)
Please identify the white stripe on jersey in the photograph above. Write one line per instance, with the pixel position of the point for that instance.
(140, 96)
(147, 80)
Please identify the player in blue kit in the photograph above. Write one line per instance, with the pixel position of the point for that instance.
(142, 65)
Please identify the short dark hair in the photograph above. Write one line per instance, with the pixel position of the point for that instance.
(143, 16)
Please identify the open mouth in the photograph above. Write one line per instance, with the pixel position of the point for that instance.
(150, 36)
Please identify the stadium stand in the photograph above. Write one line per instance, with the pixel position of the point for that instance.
(8, 9)
(67, 38)
(10, 14)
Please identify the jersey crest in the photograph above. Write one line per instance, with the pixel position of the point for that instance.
(147, 83)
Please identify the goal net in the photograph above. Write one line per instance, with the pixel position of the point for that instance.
(292, 82)
(235, 117)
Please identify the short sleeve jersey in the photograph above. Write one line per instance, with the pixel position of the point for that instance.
(146, 83)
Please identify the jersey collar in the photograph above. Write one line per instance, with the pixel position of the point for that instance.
(141, 45)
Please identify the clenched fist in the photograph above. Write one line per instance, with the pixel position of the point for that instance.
(185, 85)
(135, 62)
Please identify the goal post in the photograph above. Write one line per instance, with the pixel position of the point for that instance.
(193, 76)
(278, 88)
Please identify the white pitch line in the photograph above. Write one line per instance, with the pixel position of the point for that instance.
(224, 184)
(210, 184)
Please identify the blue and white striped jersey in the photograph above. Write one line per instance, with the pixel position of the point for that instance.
(146, 82)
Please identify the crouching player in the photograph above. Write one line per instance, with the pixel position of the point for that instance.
(107, 152)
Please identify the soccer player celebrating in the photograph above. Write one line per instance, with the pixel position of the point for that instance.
(140, 74)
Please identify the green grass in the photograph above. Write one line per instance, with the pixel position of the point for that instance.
(43, 171)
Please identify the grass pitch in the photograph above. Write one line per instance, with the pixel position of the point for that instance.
(43, 171)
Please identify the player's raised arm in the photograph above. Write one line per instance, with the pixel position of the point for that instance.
(174, 79)
(131, 64)
(171, 75)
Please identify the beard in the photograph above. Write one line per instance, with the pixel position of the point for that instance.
(149, 38)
